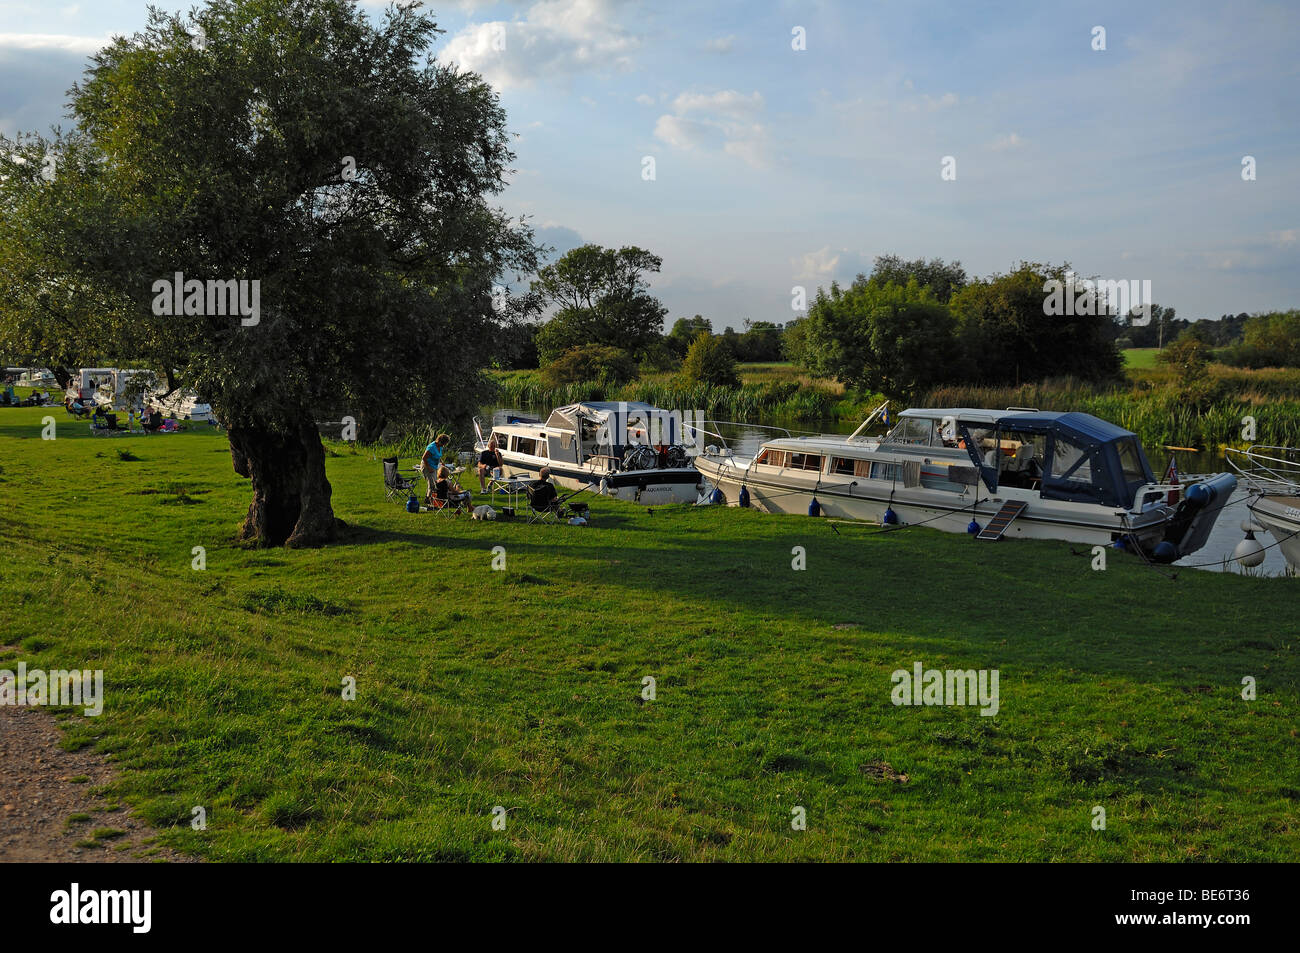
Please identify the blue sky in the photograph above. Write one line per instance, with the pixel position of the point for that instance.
(777, 167)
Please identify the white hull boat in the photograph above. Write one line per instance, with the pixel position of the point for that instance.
(626, 450)
(1272, 474)
(992, 473)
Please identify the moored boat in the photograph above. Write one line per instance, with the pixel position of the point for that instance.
(627, 450)
(1272, 475)
(1018, 472)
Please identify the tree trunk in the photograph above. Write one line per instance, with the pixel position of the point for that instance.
(62, 376)
(291, 497)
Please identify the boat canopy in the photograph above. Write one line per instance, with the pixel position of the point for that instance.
(1085, 459)
(617, 424)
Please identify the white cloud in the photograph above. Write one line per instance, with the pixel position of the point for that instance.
(826, 265)
(726, 102)
(54, 41)
(724, 119)
(645, 100)
(721, 44)
(1002, 143)
(554, 37)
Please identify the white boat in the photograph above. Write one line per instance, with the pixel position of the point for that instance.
(1272, 475)
(1018, 472)
(627, 450)
(118, 387)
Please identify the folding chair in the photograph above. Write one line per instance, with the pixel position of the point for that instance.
(455, 503)
(394, 483)
(544, 505)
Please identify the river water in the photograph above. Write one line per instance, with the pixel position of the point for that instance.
(745, 439)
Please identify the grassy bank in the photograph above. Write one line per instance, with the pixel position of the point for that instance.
(522, 687)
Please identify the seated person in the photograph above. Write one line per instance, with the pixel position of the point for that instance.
(99, 420)
(541, 492)
(489, 463)
(447, 492)
(151, 419)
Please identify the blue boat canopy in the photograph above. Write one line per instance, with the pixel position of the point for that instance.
(1085, 459)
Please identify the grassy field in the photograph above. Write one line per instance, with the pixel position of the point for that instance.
(1140, 358)
(522, 687)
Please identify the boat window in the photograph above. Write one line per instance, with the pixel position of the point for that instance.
(885, 471)
(526, 445)
(847, 466)
(912, 430)
(806, 461)
(503, 441)
(1071, 462)
(1130, 461)
(541, 447)
(774, 458)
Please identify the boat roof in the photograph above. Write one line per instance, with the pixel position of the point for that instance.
(1090, 428)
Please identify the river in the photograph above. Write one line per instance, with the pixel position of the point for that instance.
(1216, 555)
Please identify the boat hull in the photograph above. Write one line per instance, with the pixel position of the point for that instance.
(947, 512)
(647, 487)
(1280, 515)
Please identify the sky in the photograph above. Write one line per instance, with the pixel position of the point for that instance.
(792, 142)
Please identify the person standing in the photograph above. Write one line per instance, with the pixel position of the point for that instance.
(431, 461)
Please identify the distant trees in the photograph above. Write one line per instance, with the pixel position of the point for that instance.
(684, 331)
(893, 338)
(602, 298)
(590, 362)
(944, 279)
(1268, 340)
(900, 337)
(1006, 334)
(709, 361)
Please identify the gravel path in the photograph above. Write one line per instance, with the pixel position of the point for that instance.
(47, 810)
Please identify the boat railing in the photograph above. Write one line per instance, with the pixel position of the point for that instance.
(701, 428)
(1267, 468)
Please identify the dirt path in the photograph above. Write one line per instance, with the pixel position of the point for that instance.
(47, 810)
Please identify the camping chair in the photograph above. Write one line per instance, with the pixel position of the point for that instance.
(453, 502)
(395, 484)
(544, 505)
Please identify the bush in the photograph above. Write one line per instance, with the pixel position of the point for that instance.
(590, 362)
(710, 361)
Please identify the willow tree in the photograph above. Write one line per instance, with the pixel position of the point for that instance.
(285, 206)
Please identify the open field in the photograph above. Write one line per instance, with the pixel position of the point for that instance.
(1140, 358)
(522, 687)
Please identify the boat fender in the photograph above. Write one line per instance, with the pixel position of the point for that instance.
(890, 518)
(744, 496)
(1249, 552)
(716, 498)
(1120, 544)
(814, 508)
(973, 527)
(1165, 551)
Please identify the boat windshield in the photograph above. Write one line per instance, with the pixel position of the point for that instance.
(915, 431)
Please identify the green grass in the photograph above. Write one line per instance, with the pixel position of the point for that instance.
(522, 687)
(1140, 358)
